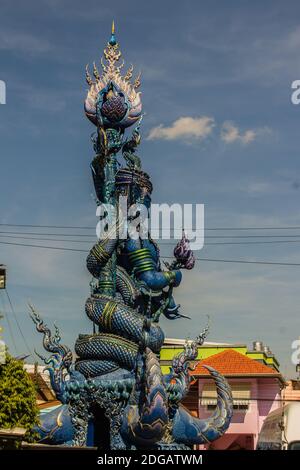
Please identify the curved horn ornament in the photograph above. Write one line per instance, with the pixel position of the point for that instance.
(188, 429)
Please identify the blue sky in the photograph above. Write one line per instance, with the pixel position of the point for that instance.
(226, 65)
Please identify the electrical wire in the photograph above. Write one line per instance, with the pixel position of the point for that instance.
(215, 260)
(8, 323)
(9, 233)
(44, 247)
(49, 239)
(17, 322)
(209, 228)
(48, 234)
(162, 242)
(38, 234)
(271, 263)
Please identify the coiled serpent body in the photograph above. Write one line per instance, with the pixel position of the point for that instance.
(122, 329)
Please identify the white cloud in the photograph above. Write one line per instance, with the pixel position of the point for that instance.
(199, 128)
(184, 128)
(231, 133)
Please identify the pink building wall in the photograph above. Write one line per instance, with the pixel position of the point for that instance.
(245, 425)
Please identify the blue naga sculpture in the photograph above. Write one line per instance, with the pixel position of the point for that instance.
(113, 393)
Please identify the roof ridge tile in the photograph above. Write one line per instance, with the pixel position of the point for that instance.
(231, 362)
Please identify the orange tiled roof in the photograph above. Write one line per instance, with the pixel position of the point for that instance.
(231, 362)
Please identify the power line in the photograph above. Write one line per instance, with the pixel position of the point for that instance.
(10, 233)
(44, 247)
(292, 227)
(252, 243)
(49, 239)
(17, 322)
(251, 236)
(47, 226)
(9, 325)
(162, 243)
(271, 263)
(215, 260)
(276, 400)
(48, 234)
(209, 228)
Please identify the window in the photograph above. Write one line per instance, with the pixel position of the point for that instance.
(239, 408)
(241, 393)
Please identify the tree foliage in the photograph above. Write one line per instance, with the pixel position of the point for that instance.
(17, 397)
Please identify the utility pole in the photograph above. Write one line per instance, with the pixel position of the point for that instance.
(2, 345)
(2, 286)
(298, 366)
(2, 276)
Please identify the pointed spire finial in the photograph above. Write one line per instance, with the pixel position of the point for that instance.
(112, 40)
